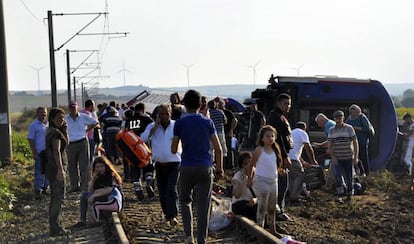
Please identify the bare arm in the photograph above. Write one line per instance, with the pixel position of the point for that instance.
(218, 151)
(356, 151)
(252, 165)
(174, 144)
(310, 153)
(238, 188)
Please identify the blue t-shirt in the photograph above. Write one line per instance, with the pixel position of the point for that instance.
(194, 131)
(328, 125)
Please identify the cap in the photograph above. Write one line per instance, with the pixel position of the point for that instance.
(73, 104)
(338, 113)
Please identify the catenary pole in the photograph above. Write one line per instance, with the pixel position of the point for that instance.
(52, 59)
(68, 73)
(5, 128)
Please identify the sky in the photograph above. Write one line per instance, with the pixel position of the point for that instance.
(208, 42)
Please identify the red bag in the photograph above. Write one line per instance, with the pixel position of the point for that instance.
(134, 150)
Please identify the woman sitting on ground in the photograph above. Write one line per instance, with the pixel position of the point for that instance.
(105, 188)
(244, 200)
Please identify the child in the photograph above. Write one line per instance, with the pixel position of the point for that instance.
(104, 192)
(266, 160)
(105, 187)
(244, 200)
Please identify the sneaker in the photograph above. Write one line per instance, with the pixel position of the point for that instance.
(79, 225)
(284, 217)
(150, 191)
(340, 200)
(45, 191)
(173, 222)
(189, 240)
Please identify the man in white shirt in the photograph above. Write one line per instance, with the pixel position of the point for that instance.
(160, 133)
(297, 172)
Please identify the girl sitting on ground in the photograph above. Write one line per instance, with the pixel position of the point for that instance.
(244, 200)
(105, 188)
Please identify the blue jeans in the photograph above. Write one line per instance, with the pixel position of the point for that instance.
(167, 176)
(200, 177)
(40, 180)
(344, 177)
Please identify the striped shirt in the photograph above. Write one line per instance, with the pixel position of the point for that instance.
(341, 139)
(219, 120)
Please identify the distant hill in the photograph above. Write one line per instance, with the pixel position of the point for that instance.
(32, 99)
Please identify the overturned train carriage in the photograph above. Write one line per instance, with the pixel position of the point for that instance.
(313, 95)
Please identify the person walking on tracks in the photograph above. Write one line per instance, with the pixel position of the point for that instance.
(56, 141)
(36, 137)
(160, 133)
(195, 132)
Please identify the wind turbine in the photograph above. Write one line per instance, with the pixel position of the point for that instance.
(254, 71)
(297, 69)
(38, 69)
(123, 70)
(188, 73)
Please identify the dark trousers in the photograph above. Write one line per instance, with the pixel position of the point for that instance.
(229, 159)
(167, 176)
(199, 177)
(57, 192)
(282, 190)
(364, 159)
(147, 173)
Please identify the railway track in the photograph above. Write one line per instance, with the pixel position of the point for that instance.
(143, 222)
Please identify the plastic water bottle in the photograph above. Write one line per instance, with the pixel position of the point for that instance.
(138, 190)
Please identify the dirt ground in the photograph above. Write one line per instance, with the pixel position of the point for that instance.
(383, 214)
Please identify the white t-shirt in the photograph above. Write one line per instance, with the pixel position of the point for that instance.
(266, 165)
(299, 137)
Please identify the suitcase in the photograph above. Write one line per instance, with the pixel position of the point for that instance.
(314, 177)
(134, 150)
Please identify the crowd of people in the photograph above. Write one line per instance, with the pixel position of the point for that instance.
(193, 143)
